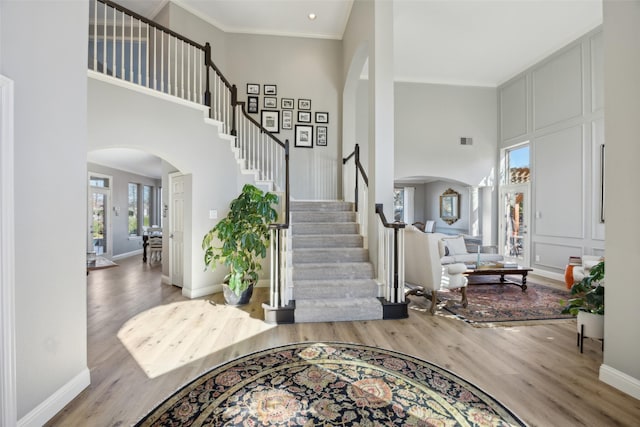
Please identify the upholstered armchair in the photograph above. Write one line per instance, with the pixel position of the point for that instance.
(424, 273)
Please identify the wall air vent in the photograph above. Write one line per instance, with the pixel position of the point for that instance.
(466, 141)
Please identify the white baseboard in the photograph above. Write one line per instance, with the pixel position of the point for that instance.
(197, 293)
(128, 254)
(58, 400)
(548, 274)
(200, 292)
(620, 380)
(166, 280)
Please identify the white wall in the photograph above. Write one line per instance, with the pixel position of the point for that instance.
(557, 105)
(622, 103)
(300, 68)
(50, 202)
(431, 119)
(157, 126)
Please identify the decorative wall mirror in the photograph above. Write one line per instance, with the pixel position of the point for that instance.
(450, 206)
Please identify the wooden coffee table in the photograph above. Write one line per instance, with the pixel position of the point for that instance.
(501, 271)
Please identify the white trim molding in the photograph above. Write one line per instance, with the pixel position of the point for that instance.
(620, 380)
(8, 399)
(58, 400)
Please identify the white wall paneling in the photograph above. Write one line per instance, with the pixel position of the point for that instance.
(557, 88)
(513, 114)
(597, 71)
(559, 200)
(554, 256)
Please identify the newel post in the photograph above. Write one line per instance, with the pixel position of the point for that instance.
(207, 64)
(234, 103)
(357, 163)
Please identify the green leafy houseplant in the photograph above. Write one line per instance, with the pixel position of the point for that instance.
(244, 235)
(589, 293)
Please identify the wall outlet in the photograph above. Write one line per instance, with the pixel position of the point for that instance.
(213, 214)
(537, 258)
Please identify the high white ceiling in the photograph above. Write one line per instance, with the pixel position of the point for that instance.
(462, 42)
(467, 42)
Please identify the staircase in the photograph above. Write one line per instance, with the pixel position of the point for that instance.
(333, 279)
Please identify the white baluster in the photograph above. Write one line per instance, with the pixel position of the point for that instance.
(131, 50)
(182, 69)
(104, 41)
(146, 67)
(123, 73)
(175, 68)
(114, 67)
(95, 35)
(162, 66)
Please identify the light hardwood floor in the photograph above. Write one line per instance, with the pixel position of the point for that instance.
(145, 340)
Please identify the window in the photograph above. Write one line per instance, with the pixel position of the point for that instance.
(133, 209)
(146, 206)
(517, 165)
(96, 181)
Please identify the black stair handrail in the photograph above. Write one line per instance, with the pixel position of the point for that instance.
(396, 226)
(359, 168)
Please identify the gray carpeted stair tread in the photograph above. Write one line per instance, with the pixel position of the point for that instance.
(327, 271)
(322, 217)
(336, 310)
(336, 288)
(326, 255)
(320, 206)
(327, 241)
(314, 228)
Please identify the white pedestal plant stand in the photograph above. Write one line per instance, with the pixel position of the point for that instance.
(591, 326)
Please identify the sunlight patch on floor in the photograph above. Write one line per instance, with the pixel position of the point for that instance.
(170, 336)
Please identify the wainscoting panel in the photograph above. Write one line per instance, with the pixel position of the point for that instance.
(513, 109)
(597, 72)
(553, 256)
(559, 199)
(557, 89)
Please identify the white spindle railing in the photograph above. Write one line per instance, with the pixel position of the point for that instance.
(279, 291)
(126, 46)
(390, 245)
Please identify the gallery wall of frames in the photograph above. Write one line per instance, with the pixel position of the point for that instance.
(281, 113)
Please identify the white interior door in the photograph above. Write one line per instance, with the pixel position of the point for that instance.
(176, 229)
(514, 223)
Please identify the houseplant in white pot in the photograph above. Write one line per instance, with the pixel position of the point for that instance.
(587, 304)
(240, 240)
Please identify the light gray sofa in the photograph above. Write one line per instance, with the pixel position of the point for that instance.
(453, 249)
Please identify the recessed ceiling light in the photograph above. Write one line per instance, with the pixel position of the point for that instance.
(312, 16)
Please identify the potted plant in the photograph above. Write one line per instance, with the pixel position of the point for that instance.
(240, 241)
(588, 304)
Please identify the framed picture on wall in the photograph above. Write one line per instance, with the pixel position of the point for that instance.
(322, 117)
(321, 136)
(304, 136)
(270, 90)
(304, 104)
(253, 89)
(252, 104)
(287, 103)
(287, 119)
(270, 102)
(304, 117)
(270, 120)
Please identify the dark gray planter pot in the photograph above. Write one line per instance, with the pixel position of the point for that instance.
(231, 298)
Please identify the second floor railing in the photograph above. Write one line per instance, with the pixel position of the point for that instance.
(127, 46)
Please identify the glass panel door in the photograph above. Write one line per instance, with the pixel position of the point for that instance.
(98, 209)
(514, 222)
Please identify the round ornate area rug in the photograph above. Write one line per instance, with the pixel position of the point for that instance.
(325, 384)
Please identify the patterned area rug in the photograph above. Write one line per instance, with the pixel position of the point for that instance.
(504, 305)
(325, 384)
